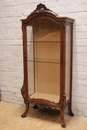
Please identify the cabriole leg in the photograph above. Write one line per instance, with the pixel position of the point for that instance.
(26, 111)
(70, 110)
(62, 118)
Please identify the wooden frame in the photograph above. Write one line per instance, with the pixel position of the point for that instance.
(42, 12)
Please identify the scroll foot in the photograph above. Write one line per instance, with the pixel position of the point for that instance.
(62, 118)
(70, 110)
(26, 111)
(71, 114)
(23, 115)
(63, 124)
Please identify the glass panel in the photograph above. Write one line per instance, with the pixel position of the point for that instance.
(44, 60)
(46, 30)
(30, 57)
(47, 79)
(67, 69)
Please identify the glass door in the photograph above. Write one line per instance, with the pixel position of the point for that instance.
(44, 60)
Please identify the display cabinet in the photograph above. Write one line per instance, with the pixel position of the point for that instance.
(47, 55)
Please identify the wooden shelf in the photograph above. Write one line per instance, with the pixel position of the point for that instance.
(44, 41)
(50, 97)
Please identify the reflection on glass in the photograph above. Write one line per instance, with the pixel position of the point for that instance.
(43, 41)
(67, 69)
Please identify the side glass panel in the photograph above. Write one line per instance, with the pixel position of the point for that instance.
(30, 60)
(44, 60)
(68, 55)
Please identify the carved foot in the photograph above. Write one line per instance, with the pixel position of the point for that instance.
(26, 111)
(35, 106)
(70, 110)
(71, 114)
(23, 115)
(63, 124)
(62, 118)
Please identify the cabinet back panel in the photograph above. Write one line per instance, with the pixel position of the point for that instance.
(47, 50)
(47, 78)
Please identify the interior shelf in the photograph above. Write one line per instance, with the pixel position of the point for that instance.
(49, 97)
(45, 61)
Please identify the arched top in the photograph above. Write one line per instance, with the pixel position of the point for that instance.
(42, 11)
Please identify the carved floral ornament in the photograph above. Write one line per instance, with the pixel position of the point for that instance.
(41, 8)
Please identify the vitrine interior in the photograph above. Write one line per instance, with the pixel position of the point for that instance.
(44, 60)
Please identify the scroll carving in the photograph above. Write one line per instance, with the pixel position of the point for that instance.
(24, 95)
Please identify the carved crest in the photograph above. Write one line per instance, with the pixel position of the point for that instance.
(41, 8)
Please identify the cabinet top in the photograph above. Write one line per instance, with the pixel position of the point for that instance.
(43, 12)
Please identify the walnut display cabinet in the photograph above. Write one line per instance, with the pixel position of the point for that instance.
(47, 54)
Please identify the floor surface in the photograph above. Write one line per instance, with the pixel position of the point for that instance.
(10, 119)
